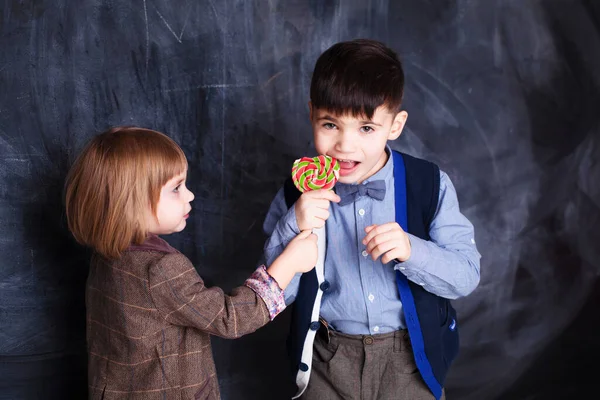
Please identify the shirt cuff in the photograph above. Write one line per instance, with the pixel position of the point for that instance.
(268, 289)
(419, 254)
(287, 227)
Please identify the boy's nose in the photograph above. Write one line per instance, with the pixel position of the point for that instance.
(344, 143)
(191, 196)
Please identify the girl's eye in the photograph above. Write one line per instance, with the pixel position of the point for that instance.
(328, 125)
(367, 129)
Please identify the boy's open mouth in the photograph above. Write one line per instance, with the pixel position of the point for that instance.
(347, 166)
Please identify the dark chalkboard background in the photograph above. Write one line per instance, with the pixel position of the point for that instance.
(502, 94)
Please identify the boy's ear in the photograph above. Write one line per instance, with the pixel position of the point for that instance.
(398, 125)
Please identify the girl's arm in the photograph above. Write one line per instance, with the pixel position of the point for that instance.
(182, 298)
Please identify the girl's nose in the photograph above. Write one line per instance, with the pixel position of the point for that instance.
(191, 196)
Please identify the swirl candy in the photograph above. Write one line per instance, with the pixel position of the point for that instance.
(321, 172)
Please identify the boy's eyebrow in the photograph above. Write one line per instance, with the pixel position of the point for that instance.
(369, 122)
(363, 122)
(328, 117)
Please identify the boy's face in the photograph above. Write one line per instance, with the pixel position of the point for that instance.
(173, 207)
(358, 143)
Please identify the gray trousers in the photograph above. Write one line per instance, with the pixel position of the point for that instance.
(358, 367)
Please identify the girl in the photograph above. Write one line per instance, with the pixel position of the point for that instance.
(149, 314)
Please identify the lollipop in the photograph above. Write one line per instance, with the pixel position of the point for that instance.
(321, 172)
(315, 173)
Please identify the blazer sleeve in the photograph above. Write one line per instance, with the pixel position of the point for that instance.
(180, 295)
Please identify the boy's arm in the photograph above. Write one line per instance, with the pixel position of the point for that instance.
(448, 265)
(180, 295)
(281, 227)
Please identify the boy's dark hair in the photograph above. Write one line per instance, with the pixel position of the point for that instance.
(356, 77)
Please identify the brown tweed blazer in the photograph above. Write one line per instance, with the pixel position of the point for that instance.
(149, 321)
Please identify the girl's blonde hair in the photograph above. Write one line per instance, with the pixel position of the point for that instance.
(113, 183)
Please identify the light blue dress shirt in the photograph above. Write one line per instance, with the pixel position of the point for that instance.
(363, 297)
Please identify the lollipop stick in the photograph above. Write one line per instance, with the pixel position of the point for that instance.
(321, 243)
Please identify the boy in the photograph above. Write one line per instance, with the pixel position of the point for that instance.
(397, 250)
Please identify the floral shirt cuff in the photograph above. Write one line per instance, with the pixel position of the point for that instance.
(268, 289)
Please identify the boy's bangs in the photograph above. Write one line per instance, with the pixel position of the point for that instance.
(355, 104)
(357, 96)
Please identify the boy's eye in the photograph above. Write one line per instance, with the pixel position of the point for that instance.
(328, 125)
(177, 188)
(367, 129)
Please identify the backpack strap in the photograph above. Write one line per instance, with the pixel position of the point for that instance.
(290, 192)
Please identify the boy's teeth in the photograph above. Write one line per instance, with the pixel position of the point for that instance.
(347, 164)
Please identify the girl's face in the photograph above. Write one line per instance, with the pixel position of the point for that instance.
(173, 207)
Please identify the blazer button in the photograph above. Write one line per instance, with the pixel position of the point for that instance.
(303, 367)
(324, 286)
(314, 326)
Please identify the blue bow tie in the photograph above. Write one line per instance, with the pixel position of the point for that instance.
(349, 193)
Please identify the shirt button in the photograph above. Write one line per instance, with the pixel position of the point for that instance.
(376, 329)
(303, 367)
(364, 253)
(402, 268)
(361, 212)
(315, 326)
(371, 298)
(324, 286)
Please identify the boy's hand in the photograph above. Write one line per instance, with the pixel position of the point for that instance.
(388, 240)
(312, 208)
(299, 256)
